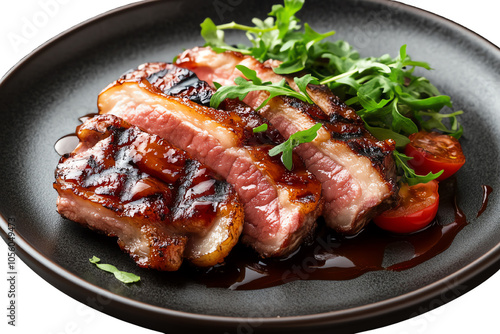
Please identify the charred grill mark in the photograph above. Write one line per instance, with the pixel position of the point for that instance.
(310, 109)
(354, 133)
(153, 77)
(194, 89)
(380, 155)
(333, 118)
(109, 177)
(282, 208)
(195, 203)
(338, 127)
(190, 214)
(173, 80)
(336, 108)
(181, 82)
(251, 120)
(136, 177)
(363, 147)
(302, 186)
(344, 132)
(140, 175)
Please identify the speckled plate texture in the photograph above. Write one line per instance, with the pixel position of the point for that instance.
(42, 98)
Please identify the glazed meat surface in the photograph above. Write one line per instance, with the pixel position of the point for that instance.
(162, 205)
(357, 171)
(281, 206)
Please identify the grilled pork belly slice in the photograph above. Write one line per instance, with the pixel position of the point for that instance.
(357, 172)
(173, 80)
(180, 82)
(281, 206)
(162, 205)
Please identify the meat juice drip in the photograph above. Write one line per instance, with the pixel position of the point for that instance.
(333, 257)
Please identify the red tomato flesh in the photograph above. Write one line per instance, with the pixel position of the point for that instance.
(417, 209)
(433, 152)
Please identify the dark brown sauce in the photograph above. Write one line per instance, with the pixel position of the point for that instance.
(333, 257)
(487, 190)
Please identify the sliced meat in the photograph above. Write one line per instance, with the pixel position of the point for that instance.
(180, 82)
(357, 172)
(281, 206)
(162, 205)
(173, 80)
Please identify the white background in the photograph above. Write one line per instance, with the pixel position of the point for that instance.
(42, 309)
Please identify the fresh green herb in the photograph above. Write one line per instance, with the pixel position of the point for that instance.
(254, 83)
(386, 95)
(120, 275)
(392, 101)
(286, 148)
(277, 37)
(409, 175)
(217, 85)
(260, 128)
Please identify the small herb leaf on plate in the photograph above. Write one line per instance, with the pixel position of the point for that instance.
(122, 276)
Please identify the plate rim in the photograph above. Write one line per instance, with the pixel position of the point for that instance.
(469, 276)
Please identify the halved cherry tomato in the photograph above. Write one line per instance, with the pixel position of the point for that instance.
(417, 208)
(433, 152)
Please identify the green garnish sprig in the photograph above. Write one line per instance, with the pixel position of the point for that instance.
(392, 101)
(122, 276)
(277, 37)
(254, 83)
(408, 175)
(286, 148)
(383, 89)
(388, 97)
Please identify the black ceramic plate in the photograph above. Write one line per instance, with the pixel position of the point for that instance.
(43, 96)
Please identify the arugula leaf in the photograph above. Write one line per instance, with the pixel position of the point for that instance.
(392, 101)
(383, 134)
(213, 36)
(122, 276)
(254, 83)
(367, 84)
(409, 175)
(250, 74)
(277, 37)
(286, 148)
(435, 121)
(400, 123)
(302, 83)
(285, 16)
(260, 128)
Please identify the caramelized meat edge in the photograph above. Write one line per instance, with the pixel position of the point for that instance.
(161, 204)
(357, 171)
(279, 213)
